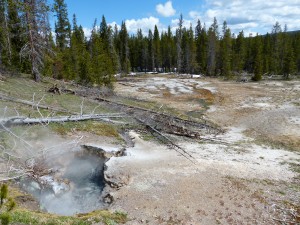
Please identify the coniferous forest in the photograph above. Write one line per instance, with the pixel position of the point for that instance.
(27, 45)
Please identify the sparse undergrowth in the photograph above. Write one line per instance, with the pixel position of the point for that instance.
(276, 143)
(26, 89)
(39, 218)
(23, 215)
(97, 128)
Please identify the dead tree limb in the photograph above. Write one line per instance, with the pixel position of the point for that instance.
(170, 143)
(164, 117)
(15, 121)
(29, 103)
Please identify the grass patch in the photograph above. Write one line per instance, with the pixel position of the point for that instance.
(39, 218)
(27, 89)
(154, 106)
(281, 142)
(97, 128)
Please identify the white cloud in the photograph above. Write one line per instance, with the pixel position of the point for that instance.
(252, 16)
(87, 32)
(113, 24)
(144, 23)
(166, 10)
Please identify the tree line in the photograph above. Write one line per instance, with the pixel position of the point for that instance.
(27, 45)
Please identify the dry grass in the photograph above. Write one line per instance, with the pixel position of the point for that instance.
(97, 128)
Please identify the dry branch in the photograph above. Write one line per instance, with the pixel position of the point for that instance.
(167, 123)
(33, 104)
(15, 121)
(170, 143)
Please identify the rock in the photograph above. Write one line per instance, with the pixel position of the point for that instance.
(106, 154)
(108, 198)
(116, 181)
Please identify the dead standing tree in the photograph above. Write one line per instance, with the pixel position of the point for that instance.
(35, 13)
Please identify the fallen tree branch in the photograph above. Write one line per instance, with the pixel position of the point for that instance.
(15, 121)
(29, 103)
(170, 123)
(170, 143)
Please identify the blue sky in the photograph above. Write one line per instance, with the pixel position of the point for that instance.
(252, 16)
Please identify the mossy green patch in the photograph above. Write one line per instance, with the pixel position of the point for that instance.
(97, 128)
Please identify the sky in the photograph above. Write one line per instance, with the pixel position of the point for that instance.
(251, 16)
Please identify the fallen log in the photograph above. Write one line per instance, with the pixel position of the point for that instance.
(15, 121)
(29, 103)
(168, 123)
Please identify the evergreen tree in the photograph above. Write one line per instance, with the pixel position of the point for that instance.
(179, 33)
(124, 49)
(225, 52)
(137, 50)
(150, 51)
(289, 66)
(296, 47)
(106, 35)
(239, 52)
(62, 25)
(213, 36)
(78, 53)
(187, 51)
(167, 50)
(201, 47)
(258, 65)
(276, 59)
(267, 53)
(16, 32)
(4, 38)
(171, 51)
(36, 21)
(156, 49)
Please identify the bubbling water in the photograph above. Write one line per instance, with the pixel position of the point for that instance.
(75, 187)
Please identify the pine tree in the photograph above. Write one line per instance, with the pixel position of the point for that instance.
(188, 51)
(213, 36)
(225, 52)
(150, 51)
(4, 51)
(201, 47)
(258, 65)
(165, 51)
(239, 53)
(78, 52)
(106, 36)
(36, 20)
(179, 34)
(124, 49)
(276, 62)
(62, 25)
(16, 32)
(156, 48)
(267, 53)
(289, 64)
(296, 47)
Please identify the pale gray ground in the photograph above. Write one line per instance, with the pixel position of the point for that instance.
(233, 183)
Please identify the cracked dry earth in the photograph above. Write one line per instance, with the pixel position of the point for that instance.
(237, 181)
